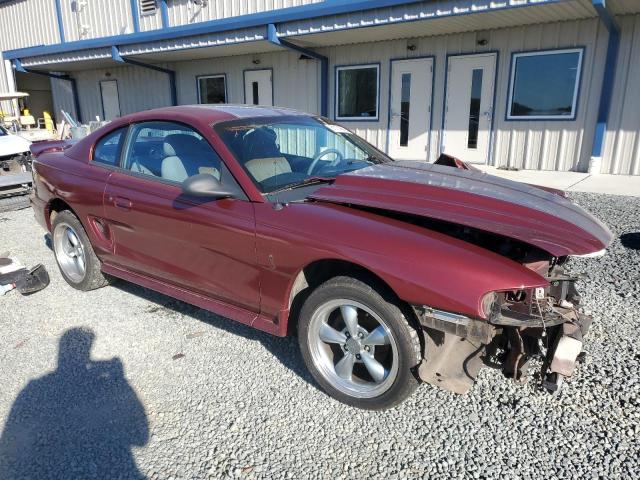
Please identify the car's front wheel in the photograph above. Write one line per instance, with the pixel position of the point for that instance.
(358, 346)
(76, 259)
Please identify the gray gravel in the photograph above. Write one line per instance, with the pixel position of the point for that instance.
(172, 391)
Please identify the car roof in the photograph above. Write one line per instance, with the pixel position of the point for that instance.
(212, 114)
(198, 116)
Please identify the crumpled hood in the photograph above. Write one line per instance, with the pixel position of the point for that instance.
(13, 144)
(474, 199)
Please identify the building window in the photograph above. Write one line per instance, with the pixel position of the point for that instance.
(357, 92)
(544, 85)
(212, 89)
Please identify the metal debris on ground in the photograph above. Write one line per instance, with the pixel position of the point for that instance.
(13, 275)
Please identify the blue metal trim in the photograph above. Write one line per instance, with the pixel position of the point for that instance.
(60, 22)
(115, 55)
(378, 65)
(433, 79)
(606, 92)
(272, 36)
(212, 75)
(244, 83)
(74, 86)
(493, 102)
(135, 15)
(164, 12)
(319, 9)
(550, 119)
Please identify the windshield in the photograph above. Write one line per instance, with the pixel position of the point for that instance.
(3, 132)
(282, 153)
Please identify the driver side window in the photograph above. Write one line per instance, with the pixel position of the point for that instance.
(170, 151)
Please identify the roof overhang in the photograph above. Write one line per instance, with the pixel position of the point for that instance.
(320, 24)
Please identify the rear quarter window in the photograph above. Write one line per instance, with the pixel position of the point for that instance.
(108, 148)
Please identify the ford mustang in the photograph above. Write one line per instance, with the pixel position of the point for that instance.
(390, 273)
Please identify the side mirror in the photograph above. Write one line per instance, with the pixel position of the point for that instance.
(205, 185)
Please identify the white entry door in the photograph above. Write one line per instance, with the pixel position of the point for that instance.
(469, 107)
(258, 87)
(410, 121)
(110, 99)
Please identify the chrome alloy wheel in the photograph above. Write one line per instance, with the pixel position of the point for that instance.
(69, 252)
(353, 348)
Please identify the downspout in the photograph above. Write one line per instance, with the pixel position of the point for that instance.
(115, 54)
(272, 36)
(74, 87)
(135, 15)
(606, 92)
(164, 13)
(60, 21)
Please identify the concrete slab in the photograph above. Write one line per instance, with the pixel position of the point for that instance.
(628, 185)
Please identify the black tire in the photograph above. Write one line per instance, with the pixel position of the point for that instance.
(93, 277)
(406, 338)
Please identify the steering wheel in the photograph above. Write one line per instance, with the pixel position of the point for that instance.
(324, 153)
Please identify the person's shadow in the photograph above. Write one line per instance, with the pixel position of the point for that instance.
(79, 421)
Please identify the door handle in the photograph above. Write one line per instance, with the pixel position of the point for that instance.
(122, 203)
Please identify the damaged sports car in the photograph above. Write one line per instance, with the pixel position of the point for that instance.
(390, 273)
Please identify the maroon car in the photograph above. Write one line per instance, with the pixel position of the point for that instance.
(389, 272)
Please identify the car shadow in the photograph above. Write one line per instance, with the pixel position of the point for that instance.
(78, 421)
(284, 349)
(630, 240)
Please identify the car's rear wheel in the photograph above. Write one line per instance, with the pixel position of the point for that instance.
(76, 259)
(357, 345)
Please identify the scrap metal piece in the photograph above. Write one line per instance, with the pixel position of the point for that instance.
(33, 281)
(566, 354)
(514, 363)
(451, 362)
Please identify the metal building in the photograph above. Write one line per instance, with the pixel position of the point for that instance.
(536, 84)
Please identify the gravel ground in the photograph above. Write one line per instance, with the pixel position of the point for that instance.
(171, 391)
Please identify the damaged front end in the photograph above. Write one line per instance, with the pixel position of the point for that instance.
(544, 324)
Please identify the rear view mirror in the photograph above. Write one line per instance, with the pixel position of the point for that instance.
(205, 185)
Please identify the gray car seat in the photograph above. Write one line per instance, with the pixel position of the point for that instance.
(262, 156)
(186, 155)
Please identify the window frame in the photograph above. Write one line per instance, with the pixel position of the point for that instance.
(361, 66)
(576, 89)
(212, 75)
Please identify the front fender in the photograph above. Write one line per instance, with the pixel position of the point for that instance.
(421, 266)
(453, 278)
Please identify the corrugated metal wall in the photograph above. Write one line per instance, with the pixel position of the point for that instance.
(25, 24)
(150, 21)
(622, 142)
(28, 23)
(96, 18)
(557, 145)
(182, 12)
(550, 145)
(295, 82)
(138, 88)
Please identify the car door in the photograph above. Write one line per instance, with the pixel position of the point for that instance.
(205, 245)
